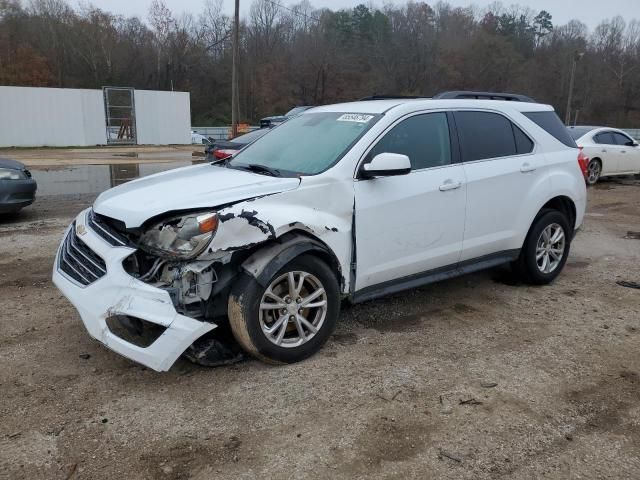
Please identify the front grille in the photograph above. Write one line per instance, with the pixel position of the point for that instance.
(99, 225)
(78, 261)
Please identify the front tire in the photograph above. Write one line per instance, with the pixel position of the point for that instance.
(594, 170)
(546, 248)
(292, 317)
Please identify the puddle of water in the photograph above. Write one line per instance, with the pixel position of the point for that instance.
(95, 179)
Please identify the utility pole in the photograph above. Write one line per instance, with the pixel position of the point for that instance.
(234, 72)
(576, 57)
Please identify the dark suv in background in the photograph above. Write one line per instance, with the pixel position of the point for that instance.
(268, 122)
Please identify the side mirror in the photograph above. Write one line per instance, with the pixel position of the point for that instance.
(632, 143)
(386, 165)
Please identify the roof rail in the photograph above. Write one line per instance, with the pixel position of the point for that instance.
(459, 94)
(390, 97)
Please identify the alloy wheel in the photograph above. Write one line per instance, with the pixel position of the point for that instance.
(550, 248)
(293, 309)
(593, 172)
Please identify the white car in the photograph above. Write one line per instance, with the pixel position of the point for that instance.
(610, 151)
(350, 201)
(199, 139)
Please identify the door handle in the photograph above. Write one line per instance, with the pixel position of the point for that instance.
(527, 167)
(623, 151)
(604, 150)
(450, 185)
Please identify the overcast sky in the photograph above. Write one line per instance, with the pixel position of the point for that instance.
(590, 12)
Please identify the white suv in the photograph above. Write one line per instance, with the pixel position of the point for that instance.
(349, 201)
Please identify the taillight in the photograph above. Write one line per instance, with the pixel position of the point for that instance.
(222, 153)
(583, 161)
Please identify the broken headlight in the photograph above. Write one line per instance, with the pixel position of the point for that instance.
(181, 237)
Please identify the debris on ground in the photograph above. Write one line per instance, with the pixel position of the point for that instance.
(470, 401)
(488, 384)
(215, 350)
(446, 409)
(85, 356)
(233, 443)
(71, 469)
(632, 235)
(451, 456)
(395, 395)
(624, 283)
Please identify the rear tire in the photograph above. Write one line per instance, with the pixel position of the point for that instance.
(594, 171)
(546, 248)
(263, 319)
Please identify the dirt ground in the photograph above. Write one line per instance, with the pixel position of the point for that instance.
(61, 157)
(472, 378)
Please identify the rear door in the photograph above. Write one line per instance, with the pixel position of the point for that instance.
(409, 224)
(503, 173)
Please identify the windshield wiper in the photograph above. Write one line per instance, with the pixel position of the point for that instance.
(257, 168)
(221, 161)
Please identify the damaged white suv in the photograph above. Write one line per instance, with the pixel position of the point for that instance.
(349, 201)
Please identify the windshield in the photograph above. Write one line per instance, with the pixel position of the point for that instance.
(308, 144)
(251, 136)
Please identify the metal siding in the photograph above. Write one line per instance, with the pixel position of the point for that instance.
(163, 118)
(33, 116)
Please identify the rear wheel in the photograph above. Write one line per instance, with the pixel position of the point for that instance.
(292, 317)
(594, 170)
(545, 249)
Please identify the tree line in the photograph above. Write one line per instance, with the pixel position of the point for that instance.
(300, 55)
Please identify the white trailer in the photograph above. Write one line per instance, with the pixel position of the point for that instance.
(66, 117)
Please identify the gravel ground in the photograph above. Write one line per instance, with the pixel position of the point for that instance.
(472, 378)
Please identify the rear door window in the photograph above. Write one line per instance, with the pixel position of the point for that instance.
(423, 138)
(604, 138)
(551, 123)
(485, 135)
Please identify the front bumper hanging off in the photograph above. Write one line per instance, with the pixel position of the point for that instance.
(101, 291)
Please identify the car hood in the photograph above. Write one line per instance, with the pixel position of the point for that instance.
(199, 186)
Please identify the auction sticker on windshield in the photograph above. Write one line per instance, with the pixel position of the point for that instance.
(355, 117)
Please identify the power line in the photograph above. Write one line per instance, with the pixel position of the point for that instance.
(300, 14)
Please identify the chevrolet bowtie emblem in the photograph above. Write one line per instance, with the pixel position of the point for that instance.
(80, 230)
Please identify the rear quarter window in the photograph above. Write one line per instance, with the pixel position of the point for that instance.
(523, 143)
(604, 138)
(551, 124)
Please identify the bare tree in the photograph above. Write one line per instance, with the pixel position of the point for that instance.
(293, 54)
(162, 21)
